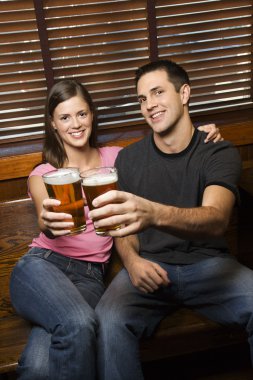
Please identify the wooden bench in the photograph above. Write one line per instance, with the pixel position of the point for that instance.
(182, 333)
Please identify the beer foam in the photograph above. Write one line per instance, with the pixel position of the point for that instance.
(100, 179)
(61, 177)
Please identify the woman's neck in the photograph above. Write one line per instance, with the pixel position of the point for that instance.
(84, 159)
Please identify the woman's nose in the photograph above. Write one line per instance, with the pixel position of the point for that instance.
(76, 123)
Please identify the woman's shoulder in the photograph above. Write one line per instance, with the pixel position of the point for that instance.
(110, 149)
(41, 169)
(109, 154)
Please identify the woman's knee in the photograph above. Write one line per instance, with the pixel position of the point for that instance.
(25, 274)
(79, 324)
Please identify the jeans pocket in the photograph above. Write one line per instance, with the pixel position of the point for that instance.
(39, 252)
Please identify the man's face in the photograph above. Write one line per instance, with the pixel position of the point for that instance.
(161, 106)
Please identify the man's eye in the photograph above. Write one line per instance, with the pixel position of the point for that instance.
(158, 92)
(83, 114)
(141, 100)
(64, 117)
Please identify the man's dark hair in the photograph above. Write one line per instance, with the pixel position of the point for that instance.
(176, 74)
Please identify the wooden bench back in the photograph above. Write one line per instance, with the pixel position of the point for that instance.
(18, 225)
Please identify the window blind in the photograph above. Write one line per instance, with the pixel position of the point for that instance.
(102, 43)
(22, 80)
(212, 41)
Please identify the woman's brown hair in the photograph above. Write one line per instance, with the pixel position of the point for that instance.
(53, 149)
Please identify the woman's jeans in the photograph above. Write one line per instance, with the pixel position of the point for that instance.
(58, 295)
(219, 288)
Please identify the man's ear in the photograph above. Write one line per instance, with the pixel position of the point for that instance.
(185, 92)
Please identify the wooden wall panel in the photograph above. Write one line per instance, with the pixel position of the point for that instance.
(15, 169)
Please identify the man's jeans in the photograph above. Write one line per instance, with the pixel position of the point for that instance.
(219, 288)
(58, 295)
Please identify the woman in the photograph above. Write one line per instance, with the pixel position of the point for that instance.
(58, 283)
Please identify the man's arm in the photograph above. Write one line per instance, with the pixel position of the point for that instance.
(146, 275)
(209, 220)
(136, 214)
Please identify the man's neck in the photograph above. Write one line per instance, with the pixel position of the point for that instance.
(176, 140)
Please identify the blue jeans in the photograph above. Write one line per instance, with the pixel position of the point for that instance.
(219, 288)
(58, 295)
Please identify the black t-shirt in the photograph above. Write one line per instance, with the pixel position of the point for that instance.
(179, 180)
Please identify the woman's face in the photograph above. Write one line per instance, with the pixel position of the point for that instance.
(72, 120)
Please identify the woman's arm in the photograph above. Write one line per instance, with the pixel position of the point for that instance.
(213, 133)
(52, 224)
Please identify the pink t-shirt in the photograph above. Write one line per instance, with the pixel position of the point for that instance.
(85, 246)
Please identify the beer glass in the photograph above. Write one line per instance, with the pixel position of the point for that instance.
(64, 184)
(96, 182)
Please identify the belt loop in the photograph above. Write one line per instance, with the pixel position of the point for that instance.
(47, 254)
(89, 267)
(104, 267)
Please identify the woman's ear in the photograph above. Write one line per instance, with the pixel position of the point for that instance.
(185, 92)
(53, 124)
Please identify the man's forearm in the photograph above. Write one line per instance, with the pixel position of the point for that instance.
(207, 221)
(127, 248)
(190, 223)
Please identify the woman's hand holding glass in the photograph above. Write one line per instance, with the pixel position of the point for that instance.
(57, 223)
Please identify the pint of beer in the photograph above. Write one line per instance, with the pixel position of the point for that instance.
(96, 182)
(65, 185)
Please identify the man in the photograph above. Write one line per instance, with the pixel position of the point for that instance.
(177, 200)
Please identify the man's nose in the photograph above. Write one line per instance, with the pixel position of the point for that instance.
(150, 102)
